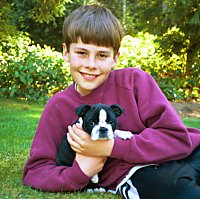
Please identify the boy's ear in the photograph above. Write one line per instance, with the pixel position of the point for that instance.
(116, 57)
(65, 52)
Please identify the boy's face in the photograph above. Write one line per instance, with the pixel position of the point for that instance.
(90, 65)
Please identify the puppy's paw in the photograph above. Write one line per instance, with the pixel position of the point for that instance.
(100, 190)
(95, 179)
(90, 190)
(80, 121)
(123, 134)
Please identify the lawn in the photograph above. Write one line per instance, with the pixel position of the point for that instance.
(18, 121)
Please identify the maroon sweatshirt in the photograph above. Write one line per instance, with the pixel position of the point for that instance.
(158, 132)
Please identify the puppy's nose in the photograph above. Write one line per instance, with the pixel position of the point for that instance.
(103, 129)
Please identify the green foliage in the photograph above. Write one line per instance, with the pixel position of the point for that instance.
(175, 56)
(29, 71)
(14, 48)
(157, 17)
(168, 69)
(42, 11)
(138, 51)
(43, 20)
(6, 26)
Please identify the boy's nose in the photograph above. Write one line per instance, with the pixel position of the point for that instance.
(91, 63)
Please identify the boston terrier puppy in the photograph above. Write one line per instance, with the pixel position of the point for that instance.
(99, 121)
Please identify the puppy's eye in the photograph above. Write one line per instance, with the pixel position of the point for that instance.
(111, 122)
(91, 122)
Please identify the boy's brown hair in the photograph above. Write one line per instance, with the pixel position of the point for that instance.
(94, 24)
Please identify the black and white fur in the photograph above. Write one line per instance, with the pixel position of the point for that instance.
(98, 120)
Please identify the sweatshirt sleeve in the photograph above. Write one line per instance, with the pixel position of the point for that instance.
(41, 171)
(164, 137)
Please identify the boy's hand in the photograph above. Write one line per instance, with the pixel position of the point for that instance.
(81, 143)
(90, 165)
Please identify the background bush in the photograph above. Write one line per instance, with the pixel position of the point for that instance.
(29, 71)
(170, 71)
(33, 72)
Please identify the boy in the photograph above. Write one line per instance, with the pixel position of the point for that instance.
(92, 37)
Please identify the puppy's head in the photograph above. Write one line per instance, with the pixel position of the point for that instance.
(99, 120)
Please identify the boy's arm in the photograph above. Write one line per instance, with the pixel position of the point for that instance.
(164, 136)
(45, 175)
(41, 171)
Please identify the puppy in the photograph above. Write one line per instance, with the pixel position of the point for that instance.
(99, 121)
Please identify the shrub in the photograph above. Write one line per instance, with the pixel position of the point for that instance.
(170, 72)
(31, 72)
(138, 51)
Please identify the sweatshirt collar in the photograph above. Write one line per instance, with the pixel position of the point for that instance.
(94, 97)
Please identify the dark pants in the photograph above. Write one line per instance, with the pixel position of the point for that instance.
(173, 180)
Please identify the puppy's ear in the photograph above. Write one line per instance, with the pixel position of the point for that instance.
(82, 110)
(117, 109)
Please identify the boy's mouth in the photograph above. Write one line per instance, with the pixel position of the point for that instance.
(88, 76)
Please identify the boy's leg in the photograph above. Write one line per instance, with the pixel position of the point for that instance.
(174, 180)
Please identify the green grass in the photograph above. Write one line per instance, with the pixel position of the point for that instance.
(192, 122)
(18, 122)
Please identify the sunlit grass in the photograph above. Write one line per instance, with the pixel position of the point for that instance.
(18, 122)
(192, 122)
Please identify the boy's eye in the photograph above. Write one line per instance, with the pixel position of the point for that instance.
(103, 56)
(81, 52)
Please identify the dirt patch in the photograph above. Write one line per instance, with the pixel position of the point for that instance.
(186, 109)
